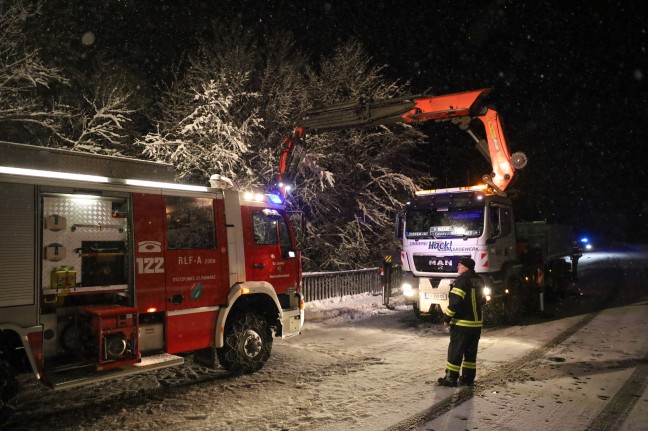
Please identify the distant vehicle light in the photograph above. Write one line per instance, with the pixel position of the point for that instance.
(588, 247)
(584, 240)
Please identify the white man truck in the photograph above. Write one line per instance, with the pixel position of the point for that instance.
(518, 262)
(110, 268)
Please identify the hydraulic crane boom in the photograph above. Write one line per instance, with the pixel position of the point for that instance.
(460, 108)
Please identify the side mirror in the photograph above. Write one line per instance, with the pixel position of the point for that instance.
(398, 227)
(298, 226)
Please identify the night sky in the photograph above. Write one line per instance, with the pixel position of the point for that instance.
(568, 79)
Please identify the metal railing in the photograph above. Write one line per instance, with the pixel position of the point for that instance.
(324, 285)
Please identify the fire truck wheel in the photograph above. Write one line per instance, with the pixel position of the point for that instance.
(247, 344)
(8, 383)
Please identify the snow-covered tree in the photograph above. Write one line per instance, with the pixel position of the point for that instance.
(230, 108)
(282, 85)
(103, 119)
(371, 172)
(209, 116)
(37, 105)
(238, 98)
(25, 78)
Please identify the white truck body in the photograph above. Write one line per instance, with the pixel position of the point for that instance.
(439, 227)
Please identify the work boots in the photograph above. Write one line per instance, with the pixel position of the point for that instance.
(449, 380)
(466, 381)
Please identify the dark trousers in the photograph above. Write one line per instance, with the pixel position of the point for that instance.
(462, 352)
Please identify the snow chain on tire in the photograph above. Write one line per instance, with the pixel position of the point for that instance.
(247, 344)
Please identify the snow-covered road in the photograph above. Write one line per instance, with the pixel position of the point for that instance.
(360, 366)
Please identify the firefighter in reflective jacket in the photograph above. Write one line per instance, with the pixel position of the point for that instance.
(464, 315)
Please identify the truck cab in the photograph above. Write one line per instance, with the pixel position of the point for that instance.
(439, 227)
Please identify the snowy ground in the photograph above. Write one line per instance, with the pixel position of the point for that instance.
(361, 366)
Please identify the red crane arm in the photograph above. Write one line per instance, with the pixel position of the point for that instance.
(460, 108)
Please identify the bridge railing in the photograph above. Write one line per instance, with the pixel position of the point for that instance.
(324, 285)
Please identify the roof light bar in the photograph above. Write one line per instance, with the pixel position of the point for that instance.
(254, 197)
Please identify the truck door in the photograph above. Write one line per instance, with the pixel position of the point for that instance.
(181, 265)
(502, 234)
(194, 275)
(269, 248)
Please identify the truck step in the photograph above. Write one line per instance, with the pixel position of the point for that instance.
(81, 376)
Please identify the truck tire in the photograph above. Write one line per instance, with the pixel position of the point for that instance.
(417, 310)
(513, 308)
(513, 301)
(506, 309)
(433, 315)
(493, 313)
(247, 344)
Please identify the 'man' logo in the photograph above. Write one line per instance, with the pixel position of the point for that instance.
(440, 263)
(441, 246)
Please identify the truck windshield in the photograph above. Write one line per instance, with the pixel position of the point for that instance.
(444, 223)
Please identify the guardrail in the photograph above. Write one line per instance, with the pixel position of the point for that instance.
(324, 285)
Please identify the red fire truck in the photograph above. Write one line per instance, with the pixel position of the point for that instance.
(109, 268)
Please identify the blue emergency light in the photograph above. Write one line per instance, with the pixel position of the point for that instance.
(275, 199)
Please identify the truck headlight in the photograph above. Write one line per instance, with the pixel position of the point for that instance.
(486, 292)
(408, 289)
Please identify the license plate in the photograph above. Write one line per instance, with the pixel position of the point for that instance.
(439, 296)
